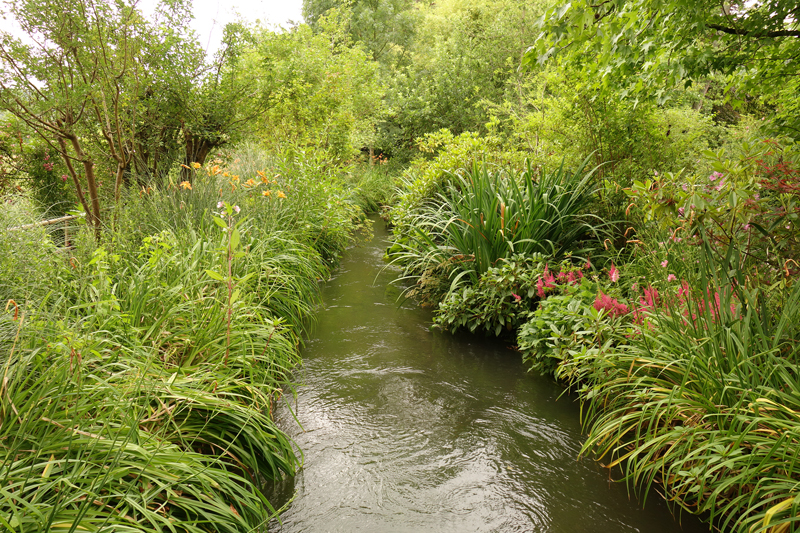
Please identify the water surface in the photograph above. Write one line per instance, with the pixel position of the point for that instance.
(410, 430)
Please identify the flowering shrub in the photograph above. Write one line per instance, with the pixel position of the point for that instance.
(751, 201)
(499, 300)
(579, 321)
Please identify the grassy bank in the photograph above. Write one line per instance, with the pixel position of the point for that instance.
(676, 322)
(140, 372)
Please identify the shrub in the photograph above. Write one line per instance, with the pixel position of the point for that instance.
(486, 216)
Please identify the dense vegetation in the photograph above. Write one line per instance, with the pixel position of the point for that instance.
(613, 187)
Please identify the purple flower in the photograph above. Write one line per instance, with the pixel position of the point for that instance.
(681, 211)
(715, 175)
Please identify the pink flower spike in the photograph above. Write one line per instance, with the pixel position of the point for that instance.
(613, 273)
(664, 263)
(671, 277)
(540, 288)
(516, 296)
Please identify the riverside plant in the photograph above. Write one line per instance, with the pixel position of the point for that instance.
(485, 216)
(231, 250)
(701, 397)
(707, 407)
(142, 383)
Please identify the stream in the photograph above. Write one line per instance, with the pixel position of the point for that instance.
(405, 429)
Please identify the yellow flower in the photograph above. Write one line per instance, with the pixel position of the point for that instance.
(250, 183)
(264, 180)
(226, 175)
(281, 195)
(266, 193)
(235, 177)
(214, 170)
(261, 173)
(186, 185)
(196, 165)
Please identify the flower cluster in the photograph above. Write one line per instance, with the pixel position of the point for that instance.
(611, 306)
(548, 280)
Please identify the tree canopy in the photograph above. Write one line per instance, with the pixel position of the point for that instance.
(644, 47)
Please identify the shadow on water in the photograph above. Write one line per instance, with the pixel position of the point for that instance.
(412, 430)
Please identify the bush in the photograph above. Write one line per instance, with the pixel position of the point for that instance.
(486, 216)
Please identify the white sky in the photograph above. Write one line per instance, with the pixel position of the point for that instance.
(210, 16)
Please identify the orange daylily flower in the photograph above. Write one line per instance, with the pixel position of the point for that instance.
(186, 185)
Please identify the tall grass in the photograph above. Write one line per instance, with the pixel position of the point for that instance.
(487, 215)
(127, 401)
(706, 402)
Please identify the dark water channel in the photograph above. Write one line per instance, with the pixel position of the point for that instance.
(409, 430)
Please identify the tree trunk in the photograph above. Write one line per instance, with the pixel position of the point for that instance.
(197, 149)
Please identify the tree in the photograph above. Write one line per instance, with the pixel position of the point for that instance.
(642, 48)
(465, 53)
(385, 27)
(314, 90)
(77, 77)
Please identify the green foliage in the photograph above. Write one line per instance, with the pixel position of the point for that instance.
(48, 183)
(751, 197)
(426, 177)
(464, 53)
(643, 48)
(498, 302)
(27, 257)
(486, 216)
(565, 330)
(142, 373)
(704, 402)
(384, 27)
(80, 79)
(374, 187)
(317, 93)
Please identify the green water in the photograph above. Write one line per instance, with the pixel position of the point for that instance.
(411, 430)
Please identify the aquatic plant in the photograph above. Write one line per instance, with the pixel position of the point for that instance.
(485, 216)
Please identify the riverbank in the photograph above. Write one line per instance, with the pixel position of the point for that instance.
(141, 371)
(407, 429)
(674, 323)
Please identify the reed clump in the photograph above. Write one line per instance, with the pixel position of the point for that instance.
(138, 389)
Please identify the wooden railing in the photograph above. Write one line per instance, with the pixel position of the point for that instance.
(66, 220)
(47, 222)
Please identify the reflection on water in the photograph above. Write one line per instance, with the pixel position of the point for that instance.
(409, 430)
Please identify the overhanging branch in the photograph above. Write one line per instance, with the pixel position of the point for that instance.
(757, 34)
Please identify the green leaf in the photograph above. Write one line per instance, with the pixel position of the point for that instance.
(213, 275)
(235, 238)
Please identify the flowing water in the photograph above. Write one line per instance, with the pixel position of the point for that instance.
(411, 430)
